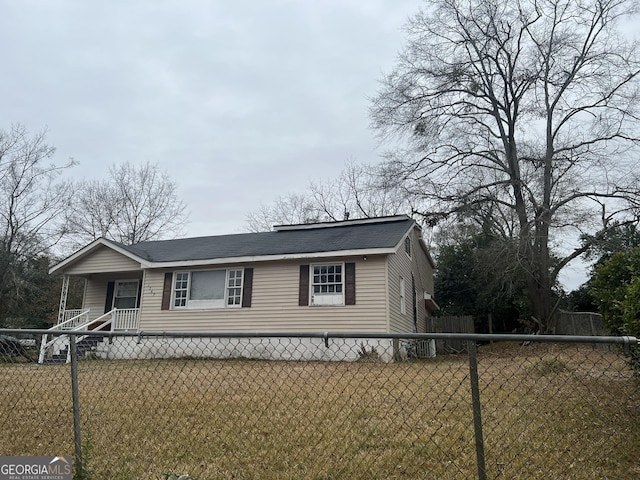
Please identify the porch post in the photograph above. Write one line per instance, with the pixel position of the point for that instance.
(63, 298)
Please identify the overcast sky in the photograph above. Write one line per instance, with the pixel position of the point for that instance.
(240, 101)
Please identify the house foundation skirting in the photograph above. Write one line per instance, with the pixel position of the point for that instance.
(273, 348)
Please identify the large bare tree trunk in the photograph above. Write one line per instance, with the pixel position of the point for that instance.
(527, 110)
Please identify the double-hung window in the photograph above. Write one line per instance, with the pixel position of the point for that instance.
(125, 294)
(208, 289)
(403, 297)
(327, 284)
(234, 287)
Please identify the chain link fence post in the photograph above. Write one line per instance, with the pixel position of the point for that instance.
(75, 397)
(477, 412)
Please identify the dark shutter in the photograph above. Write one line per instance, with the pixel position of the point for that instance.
(108, 303)
(350, 283)
(139, 294)
(303, 295)
(247, 287)
(166, 291)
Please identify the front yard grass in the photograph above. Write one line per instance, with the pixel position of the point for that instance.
(548, 412)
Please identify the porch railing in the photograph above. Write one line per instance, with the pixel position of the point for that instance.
(72, 318)
(125, 319)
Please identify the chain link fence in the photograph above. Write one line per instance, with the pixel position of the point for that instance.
(322, 406)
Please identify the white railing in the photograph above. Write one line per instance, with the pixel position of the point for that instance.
(103, 323)
(76, 318)
(126, 319)
(116, 319)
(123, 319)
(71, 319)
(69, 314)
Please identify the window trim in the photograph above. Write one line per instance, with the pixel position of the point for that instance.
(343, 284)
(174, 279)
(228, 288)
(208, 304)
(115, 291)
(407, 245)
(403, 296)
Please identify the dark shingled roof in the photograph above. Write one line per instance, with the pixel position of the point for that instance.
(340, 236)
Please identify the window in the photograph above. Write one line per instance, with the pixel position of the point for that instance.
(181, 290)
(125, 294)
(403, 297)
(208, 289)
(407, 246)
(311, 293)
(327, 285)
(234, 287)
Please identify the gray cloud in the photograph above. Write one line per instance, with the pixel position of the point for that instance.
(239, 101)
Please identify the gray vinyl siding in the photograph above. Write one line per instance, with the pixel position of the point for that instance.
(274, 305)
(425, 267)
(401, 265)
(95, 296)
(101, 261)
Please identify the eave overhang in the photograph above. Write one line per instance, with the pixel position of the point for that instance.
(92, 247)
(271, 258)
(145, 264)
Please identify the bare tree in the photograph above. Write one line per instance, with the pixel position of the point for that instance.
(291, 209)
(359, 192)
(94, 211)
(135, 204)
(526, 106)
(34, 204)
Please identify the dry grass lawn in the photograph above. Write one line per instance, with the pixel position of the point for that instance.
(548, 412)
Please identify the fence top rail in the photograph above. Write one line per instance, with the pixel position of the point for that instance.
(478, 337)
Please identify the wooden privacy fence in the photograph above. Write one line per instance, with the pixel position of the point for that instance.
(578, 323)
(563, 323)
(451, 325)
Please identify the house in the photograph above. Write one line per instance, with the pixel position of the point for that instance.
(368, 275)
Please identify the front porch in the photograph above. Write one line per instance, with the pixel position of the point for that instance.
(54, 347)
(118, 319)
(114, 297)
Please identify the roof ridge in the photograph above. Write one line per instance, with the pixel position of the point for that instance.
(341, 223)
